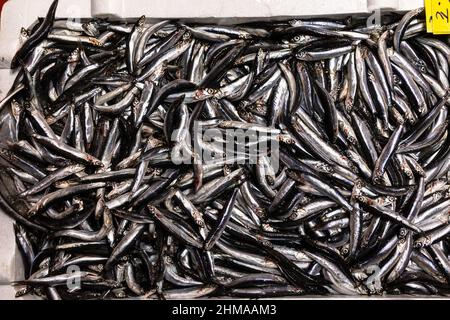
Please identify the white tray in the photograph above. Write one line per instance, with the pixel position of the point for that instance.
(22, 13)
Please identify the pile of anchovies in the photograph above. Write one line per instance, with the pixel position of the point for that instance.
(360, 201)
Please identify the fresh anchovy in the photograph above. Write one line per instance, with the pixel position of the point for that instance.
(68, 151)
(52, 178)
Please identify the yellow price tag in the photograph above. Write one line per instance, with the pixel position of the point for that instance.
(440, 11)
(429, 15)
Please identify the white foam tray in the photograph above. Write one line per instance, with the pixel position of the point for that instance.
(22, 13)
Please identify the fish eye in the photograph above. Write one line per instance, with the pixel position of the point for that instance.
(187, 35)
(300, 55)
